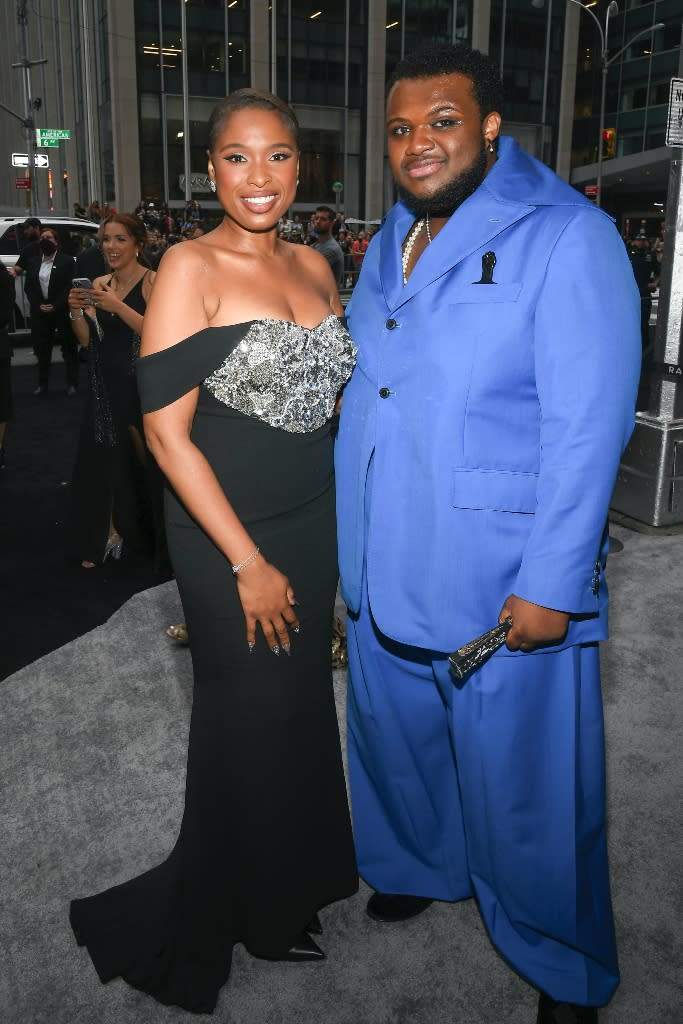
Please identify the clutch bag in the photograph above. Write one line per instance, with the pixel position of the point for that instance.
(472, 655)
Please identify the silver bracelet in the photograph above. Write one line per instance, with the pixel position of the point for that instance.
(79, 317)
(247, 561)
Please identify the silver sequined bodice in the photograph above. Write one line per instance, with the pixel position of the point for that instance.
(286, 375)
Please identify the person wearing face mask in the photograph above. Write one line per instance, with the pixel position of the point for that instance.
(47, 289)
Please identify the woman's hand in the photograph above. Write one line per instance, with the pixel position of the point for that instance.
(104, 297)
(79, 298)
(267, 599)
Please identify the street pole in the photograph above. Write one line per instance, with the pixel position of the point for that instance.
(29, 123)
(606, 62)
(603, 100)
(187, 152)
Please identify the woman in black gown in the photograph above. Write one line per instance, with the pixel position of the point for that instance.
(244, 353)
(116, 488)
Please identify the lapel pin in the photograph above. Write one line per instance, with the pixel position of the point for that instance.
(488, 262)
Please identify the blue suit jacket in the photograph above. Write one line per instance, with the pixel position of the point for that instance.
(506, 409)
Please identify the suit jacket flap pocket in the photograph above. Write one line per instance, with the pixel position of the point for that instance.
(486, 293)
(496, 490)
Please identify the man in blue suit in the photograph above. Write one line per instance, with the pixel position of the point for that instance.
(497, 325)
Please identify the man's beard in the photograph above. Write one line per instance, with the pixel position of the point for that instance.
(448, 198)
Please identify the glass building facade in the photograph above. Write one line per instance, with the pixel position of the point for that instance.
(138, 79)
(320, 67)
(637, 83)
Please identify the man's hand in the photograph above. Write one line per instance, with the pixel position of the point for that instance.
(532, 624)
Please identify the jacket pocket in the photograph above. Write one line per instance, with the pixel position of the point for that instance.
(486, 293)
(494, 489)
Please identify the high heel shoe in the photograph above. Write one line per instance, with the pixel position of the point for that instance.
(302, 949)
(113, 547)
(314, 926)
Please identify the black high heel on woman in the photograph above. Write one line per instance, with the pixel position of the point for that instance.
(314, 926)
(303, 949)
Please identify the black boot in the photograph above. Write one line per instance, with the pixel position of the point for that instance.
(552, 1012)
(390, 907)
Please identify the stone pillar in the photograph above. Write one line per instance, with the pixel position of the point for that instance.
(481, 25)
(259, 57)
(375, 130)
(565, 117)
(124, 104)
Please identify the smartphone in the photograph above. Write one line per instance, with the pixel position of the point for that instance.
(82, 282)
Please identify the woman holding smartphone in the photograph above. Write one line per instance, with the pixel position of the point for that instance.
(112, 496)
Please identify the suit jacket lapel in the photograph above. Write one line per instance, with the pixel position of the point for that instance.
(395, 228)
(473, 225)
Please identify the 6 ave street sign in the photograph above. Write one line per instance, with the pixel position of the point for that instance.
(21, 160)
(47, 136)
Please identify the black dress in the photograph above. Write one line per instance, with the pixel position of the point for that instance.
(265, 839)
(110, 484)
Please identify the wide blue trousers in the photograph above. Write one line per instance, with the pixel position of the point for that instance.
(493, 789)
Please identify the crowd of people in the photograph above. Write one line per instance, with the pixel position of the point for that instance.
(352, 244)
(166, 227)
(475, 458)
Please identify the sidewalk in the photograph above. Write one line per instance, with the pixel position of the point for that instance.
(45, 600)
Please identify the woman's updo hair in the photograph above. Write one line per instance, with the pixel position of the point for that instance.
(242, 99)
(135, 228)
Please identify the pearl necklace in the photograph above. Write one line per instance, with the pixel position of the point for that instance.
(410, 242)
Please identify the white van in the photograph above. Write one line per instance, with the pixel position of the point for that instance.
(74, 235)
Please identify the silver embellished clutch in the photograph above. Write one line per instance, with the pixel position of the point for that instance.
(475, 653)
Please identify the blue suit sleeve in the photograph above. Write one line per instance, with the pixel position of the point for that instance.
(587, 362)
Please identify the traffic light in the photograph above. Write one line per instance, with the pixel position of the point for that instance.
(609, 143)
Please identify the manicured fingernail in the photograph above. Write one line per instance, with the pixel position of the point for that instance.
(275, 650)
(296, 629)
(252, 645)
(286, 648)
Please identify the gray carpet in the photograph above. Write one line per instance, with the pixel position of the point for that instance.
(92, 754)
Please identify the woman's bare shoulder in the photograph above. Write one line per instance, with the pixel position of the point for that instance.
(182, 256)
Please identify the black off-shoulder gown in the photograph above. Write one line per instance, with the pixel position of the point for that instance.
(110, 484)
(265, 839)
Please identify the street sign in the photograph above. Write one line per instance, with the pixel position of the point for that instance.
(674, 121)
(48, 143)
(337, 186)
(21, 160)
(44, 135)
(22, 182)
